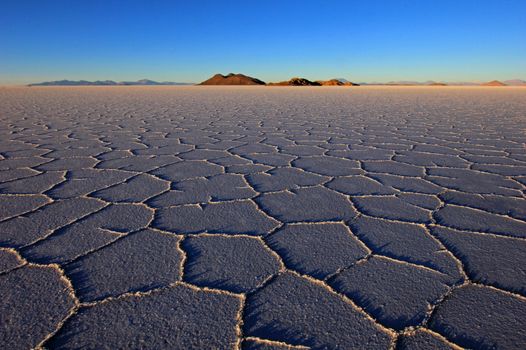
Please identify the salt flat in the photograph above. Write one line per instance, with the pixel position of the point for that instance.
(262, 217)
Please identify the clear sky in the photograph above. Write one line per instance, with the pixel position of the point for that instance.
(190, 40)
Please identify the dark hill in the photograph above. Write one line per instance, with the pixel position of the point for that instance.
(493, 83)
(296, 82)
(336, 82)
(232, 79)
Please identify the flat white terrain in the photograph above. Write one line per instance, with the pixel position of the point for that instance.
(262, 217)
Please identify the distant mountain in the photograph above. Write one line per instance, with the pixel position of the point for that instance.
(104, 83)
(336, 82)
(515, 82)
(405, 82)
(73, 83)
(463, 83)
(232, 79)
(422, 83)
(145, 82)
(493, 83)
(296, 82)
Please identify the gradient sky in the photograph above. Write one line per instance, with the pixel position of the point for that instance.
(190, 40)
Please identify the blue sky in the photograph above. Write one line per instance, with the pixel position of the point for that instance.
(273, 40)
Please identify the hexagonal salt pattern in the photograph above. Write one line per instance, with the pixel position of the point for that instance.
(262, 218)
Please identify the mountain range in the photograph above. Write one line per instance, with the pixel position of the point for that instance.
(105, 83)
(241, 79)
(515, 82)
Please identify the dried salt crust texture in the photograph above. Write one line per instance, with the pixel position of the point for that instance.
(258, 218)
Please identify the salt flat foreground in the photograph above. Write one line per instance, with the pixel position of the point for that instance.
(262, 218)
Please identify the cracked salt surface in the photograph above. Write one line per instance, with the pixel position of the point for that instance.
(260, 218)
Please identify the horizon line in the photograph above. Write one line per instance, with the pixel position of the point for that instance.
(174, 82)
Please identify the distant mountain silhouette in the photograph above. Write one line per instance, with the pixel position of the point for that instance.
(232, 79)
(434, 83)
(104, 83)
(421, 83)
(296, 82)
(493, 83)
(405, 82)
(336, 82)
(515, 82)
(463, 83)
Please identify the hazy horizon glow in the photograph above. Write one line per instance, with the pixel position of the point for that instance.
(271, 40)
